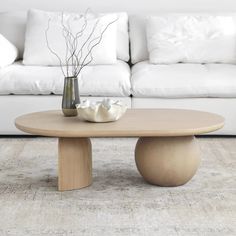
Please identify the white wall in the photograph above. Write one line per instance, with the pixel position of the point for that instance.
(132, 6)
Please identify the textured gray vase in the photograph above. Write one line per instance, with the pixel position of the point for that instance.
(71, 96)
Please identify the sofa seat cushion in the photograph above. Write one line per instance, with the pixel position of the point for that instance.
(96, 80)
(183, 80)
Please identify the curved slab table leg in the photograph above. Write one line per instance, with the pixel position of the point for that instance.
(167, 161)
(74, 163)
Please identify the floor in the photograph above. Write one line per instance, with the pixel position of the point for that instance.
(119, 202)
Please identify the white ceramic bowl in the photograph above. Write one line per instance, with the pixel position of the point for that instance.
(103, 111)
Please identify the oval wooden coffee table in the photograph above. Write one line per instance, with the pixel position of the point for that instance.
(166, 153)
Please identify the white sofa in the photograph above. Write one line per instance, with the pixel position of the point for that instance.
(140, 84)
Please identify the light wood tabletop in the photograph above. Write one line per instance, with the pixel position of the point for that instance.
(135, 123)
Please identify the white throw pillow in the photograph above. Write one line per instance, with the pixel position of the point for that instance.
(191, 39)
(8, 52)
(36, 50)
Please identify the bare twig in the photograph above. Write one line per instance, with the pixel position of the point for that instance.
(83, 64)
(54, 53)
(74, 60)
(86, 41)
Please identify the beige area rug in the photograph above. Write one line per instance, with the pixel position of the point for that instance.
(119, 202)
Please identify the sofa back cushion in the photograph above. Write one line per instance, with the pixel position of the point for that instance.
(138, 41)
(13, 27)
(221, 27)
(191, 39)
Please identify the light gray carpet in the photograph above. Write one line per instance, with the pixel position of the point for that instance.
(119, 202)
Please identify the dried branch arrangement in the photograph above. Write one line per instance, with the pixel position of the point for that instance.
(77, 57)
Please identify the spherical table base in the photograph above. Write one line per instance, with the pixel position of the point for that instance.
(167, 161)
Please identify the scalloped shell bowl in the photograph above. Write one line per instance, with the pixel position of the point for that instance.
(104, 111)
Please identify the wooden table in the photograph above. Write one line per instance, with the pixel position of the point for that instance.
(166, 153)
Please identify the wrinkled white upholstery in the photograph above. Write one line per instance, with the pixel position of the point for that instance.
(183, 80)
(138, 39)
(191, 39)
(100, 80)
